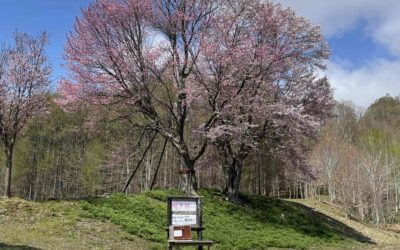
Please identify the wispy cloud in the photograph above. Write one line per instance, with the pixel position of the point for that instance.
(381, 18)
(367, 83)
(380, 21)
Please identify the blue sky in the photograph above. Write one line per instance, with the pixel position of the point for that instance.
(356, 47)
(33, 16)
(364, 38)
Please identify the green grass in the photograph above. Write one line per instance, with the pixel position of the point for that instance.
(58, 225)
(139, 222)
(258, 223)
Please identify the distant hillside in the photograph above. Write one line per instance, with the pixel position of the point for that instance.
(138, 222)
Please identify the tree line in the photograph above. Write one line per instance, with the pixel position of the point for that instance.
(354, 162)
(357, 160)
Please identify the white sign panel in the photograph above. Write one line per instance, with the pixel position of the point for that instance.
(184, 219)
(183, 206)
(177, 233)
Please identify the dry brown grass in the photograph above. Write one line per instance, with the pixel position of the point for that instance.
(384, 239)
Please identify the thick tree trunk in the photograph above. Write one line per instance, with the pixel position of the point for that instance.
(8, 175)
(188, 181)
(233, 174)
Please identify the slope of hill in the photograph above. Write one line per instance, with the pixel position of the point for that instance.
(384, 239)
(58, 225)
(138, 222)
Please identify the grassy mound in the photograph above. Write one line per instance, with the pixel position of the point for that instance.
(58, 225)
(257, 224)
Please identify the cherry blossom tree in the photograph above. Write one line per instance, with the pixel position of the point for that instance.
(24, 80)
(140, 54)
(260, 69)
(282, 129)
(244, 68)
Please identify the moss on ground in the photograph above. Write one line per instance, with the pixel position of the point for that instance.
(257, 223)
(139, 221)
(58, 225)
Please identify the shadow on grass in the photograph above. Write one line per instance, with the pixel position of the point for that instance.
(15, 247)
(334, 224)
(302, 218)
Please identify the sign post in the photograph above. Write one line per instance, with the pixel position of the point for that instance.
(184, 216)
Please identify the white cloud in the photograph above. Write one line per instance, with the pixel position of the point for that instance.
(364, 85)
(333, 16)
(381, 18)
(388, 34)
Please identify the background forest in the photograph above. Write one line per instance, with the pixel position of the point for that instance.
(355, 161)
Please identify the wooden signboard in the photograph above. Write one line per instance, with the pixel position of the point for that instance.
(184, 211)
(184, 216)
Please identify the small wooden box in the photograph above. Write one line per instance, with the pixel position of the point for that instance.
(180, 233)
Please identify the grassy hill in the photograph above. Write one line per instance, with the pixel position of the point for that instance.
(138, 222)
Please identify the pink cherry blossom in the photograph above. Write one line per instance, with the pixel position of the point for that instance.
(248, 66)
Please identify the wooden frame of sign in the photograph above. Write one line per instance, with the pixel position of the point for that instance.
(184, 211)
